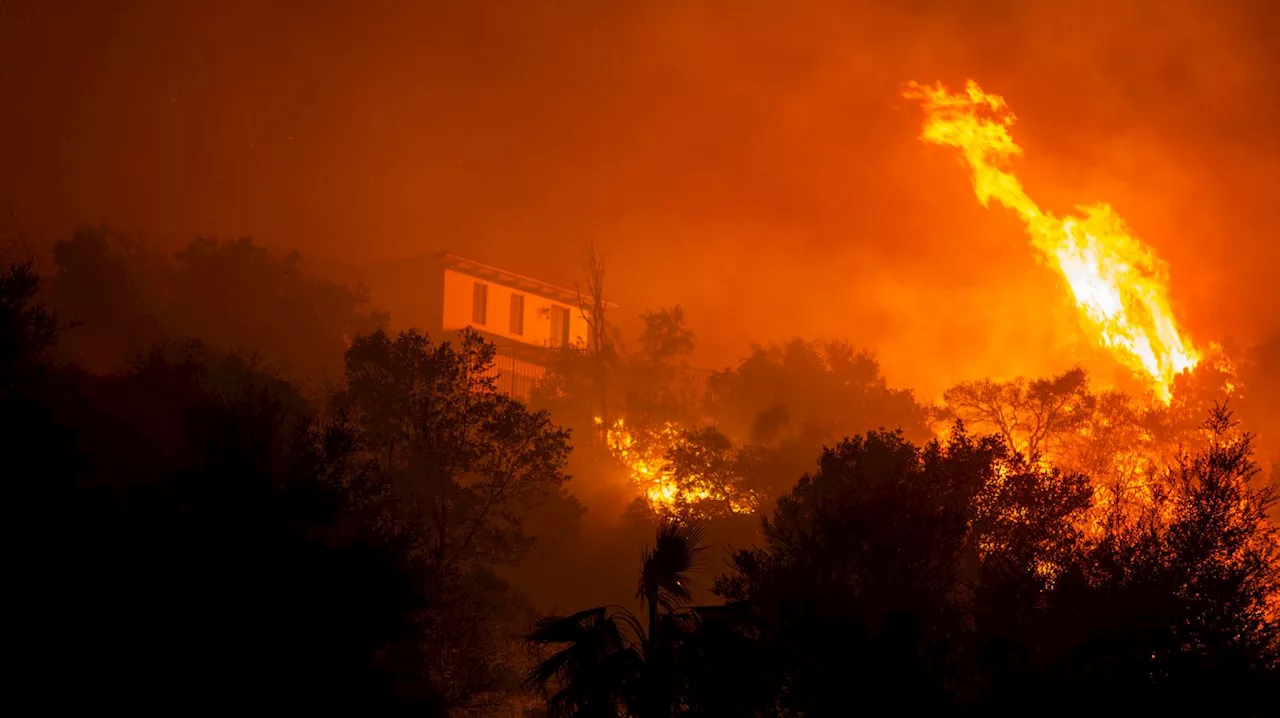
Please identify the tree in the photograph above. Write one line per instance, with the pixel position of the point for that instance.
(239, 296)
(234, 296)
(821, 389)
(37, 453)
(431, 416)
(594, 307)
(115, 291)
(860, 587)
(706, 472)
(1121, 445)
(961, 576)
(649, 387)
(598, 667)
(1173, 610)
(610, 661)
(784, 402)
(218, 547)
(468, 463)
(216, 543)
(28, 330)
(660, 385)
(1034, 418)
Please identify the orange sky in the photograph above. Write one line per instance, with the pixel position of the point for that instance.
(749, 160)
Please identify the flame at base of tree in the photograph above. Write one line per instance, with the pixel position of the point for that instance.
(1118, 283)
(646, 452)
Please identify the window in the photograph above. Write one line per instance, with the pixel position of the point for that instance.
(480, 303)
(517, 314)
(559, 326)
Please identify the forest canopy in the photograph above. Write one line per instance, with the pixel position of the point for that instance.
(809, 530)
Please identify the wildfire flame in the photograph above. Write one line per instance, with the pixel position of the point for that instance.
(1119, 285)
(644, 452)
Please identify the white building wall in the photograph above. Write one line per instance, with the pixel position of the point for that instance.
(459, 294)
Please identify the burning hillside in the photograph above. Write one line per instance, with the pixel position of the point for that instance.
(1121, 290)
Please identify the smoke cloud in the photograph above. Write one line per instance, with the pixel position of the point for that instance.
(749, 160)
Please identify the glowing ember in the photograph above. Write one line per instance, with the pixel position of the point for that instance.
(1118, 283)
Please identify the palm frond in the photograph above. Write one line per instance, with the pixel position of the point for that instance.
(565, 629)
(664, 575)
(600, 656)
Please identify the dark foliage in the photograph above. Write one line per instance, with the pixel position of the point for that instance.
(607, 659)
(958, 578)
(1172, 610)
(235, 296)
(430, 418)
(220, 550)
(784, 402)
(789, 391)
(28, 329)
(216, 545)
(199, 538)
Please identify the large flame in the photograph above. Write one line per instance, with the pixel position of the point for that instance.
(1119, 284)
(645, 451)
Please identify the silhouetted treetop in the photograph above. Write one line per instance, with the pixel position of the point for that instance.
(827, 389)
(430, 417)
(28, 329)
(232, 295)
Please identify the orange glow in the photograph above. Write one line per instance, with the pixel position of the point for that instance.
(1120, 287)
(644, 453)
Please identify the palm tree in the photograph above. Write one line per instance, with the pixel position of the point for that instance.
(664, 580)
(600, 665)
(609, 660)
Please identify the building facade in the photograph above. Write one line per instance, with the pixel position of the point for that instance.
(527, 320)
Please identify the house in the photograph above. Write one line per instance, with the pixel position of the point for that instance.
(527, 320)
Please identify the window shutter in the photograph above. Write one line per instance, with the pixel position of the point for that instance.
(480, 303)
(517, 314)
(559, 327)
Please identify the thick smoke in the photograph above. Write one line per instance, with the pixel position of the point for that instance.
(749, 161)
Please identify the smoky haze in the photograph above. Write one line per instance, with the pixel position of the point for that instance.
(751, 162)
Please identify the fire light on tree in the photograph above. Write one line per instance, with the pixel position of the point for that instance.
(691, 474)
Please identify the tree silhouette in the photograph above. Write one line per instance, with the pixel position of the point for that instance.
(1109, 436)
(610, 662)
(216, 545)
(659, 384)
(709, 476)
(599, 667)
(38, 455)
(593, 306)
(786, 390)
(239, 296)
(231, 295)
(201, 536)
(28, 330)
(210, 530)
(1173, 610)
(861, 586)
(115, 290)
(431, 417)
(1034, 417)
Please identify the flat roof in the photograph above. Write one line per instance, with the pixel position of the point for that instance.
(511, 279)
